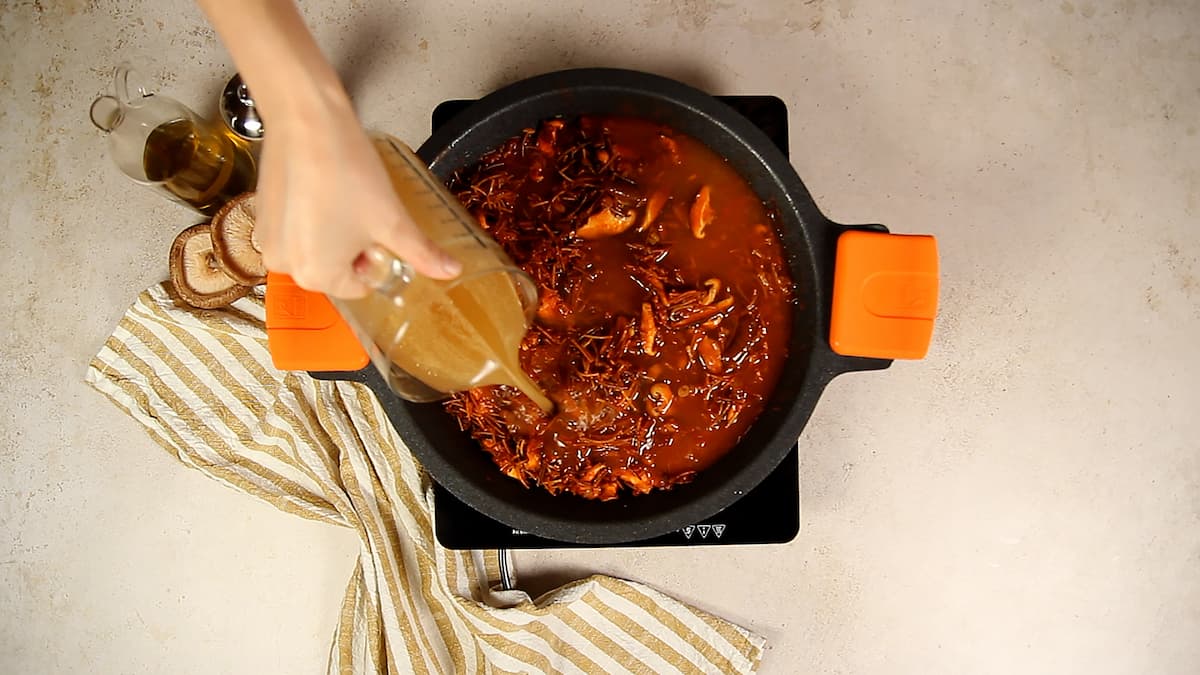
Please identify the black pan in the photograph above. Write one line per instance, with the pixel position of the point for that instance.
(457, 462)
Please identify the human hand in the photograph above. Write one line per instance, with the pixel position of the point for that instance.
(323, 195)
(324, 198)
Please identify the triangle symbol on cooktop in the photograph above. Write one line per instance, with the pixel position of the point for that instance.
(704, 530)
(719, 530)
(687, 531)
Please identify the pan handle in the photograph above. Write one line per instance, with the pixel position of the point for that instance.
(883, 293)
(305, 331)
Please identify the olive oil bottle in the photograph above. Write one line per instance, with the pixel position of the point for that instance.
(160, 143)
(197, 164)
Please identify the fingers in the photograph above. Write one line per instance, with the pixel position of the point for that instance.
(346, 286)
(317, 256)
(314, 230)
(320, 257)
(329, 276)
(299, 250)
(403, 238)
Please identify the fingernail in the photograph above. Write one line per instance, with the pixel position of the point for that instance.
(451, 267)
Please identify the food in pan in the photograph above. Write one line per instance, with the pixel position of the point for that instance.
(665, 305)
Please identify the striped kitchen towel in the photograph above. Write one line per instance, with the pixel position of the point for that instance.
(202, 384)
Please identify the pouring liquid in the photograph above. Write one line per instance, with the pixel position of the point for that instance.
(451, 335)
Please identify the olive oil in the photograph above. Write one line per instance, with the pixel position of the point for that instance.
(198, 165)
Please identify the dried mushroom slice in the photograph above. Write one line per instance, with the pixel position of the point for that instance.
(197, 277)
(236, 248)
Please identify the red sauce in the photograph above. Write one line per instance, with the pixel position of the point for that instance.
(665, 305)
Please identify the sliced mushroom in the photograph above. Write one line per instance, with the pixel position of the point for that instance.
(659, 399)
(605, 223)
(649, 331)
(709, 353)
(197, 277)
(702, 213)
(654, 206)
(714, 287)
(547, 136)
(671, 146)
(234, 243)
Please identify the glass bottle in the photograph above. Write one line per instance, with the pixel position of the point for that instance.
(430, 337)
(162, 144)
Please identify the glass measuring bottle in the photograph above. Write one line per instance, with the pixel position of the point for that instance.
(428, 337)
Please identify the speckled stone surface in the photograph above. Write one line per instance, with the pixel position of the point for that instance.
(1027, 499)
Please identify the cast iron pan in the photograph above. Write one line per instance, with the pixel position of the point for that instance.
(457, 462)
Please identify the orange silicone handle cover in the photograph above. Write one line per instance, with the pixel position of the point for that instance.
(305, 331)
(885, 295)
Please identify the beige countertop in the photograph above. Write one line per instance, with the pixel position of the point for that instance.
(1027, 499)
